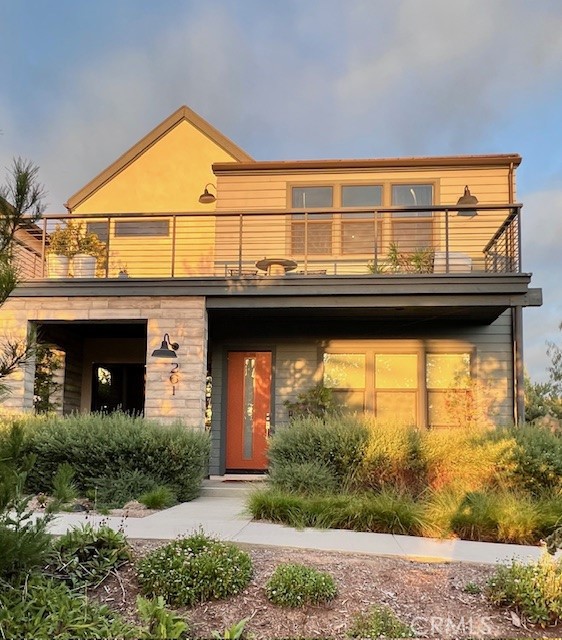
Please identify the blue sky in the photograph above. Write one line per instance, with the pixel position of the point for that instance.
(83, 81)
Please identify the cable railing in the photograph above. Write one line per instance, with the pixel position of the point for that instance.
(290, 243)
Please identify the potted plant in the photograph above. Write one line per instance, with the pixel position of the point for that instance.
(75, 251)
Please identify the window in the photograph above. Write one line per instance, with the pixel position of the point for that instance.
(410, 233)
(359, 233)
(344, 373)
(99, 228)
(396, 383)
(448, 388)
(134, 228)
(312, 233)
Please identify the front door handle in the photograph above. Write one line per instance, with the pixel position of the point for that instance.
(267, 423)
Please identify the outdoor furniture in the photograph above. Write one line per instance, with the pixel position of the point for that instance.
(458, 262)
(276, 266)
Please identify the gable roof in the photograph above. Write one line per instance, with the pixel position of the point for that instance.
(182, 114)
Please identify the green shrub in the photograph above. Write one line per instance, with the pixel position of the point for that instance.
(25, 544)
(296, 585)
(337, 442)
(317, 401)
(115, 491)
(64, 487)
(108, 445)
(160, 497)
(47, 609)
(86, 555)
(194, 569)
(534, 590)
(303, 477)
(379, 622)
(536, 458)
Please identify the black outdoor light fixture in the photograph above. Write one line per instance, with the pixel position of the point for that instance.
(467, 199)
(206, 197)
(167, 349)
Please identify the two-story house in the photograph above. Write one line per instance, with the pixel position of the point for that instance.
(227, 286)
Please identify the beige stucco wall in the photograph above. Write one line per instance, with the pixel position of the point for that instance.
(183, 318)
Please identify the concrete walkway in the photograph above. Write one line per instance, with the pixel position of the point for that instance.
(223, 515)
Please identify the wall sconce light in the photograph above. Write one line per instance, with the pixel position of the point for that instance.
(167, 349)
(467, 199)
(206, 197)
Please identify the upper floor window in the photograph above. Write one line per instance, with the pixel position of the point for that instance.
(312, 197)
(312, 234)
(134, 228)
(414, 230)
(358, 233)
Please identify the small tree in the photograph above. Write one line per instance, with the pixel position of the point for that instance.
(20, 203)
(545, 398)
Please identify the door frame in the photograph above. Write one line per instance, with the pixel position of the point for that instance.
(224, 389)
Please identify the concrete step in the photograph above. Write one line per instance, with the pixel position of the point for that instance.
(227, 487)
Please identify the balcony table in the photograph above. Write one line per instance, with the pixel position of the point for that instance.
(276, 266)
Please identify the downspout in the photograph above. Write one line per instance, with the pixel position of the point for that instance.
(517, 325)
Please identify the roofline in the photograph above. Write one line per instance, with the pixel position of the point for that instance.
(183, 113)
(496, 160)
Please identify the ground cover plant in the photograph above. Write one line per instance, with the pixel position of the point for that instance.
(478, 484)
(379, 622)
(297, 585)
(533, 590)
(194, 569)
(112, 458)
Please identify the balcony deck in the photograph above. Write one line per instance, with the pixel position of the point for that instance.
(253, 246)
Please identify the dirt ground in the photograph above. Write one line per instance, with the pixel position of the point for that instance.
(431, 597)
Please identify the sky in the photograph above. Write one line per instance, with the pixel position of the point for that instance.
(296, 79)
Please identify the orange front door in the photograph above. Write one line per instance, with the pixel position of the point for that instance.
(248, 408)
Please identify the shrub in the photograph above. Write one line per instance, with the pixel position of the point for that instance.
(534, 590)
(379, 622)
(160, 497)
(296, 585)
(337, 443)
(303, 477)
(194, 569)
(318, 401)
(64, 487)
(25, 544)
(115, 491)
(97, 444)
(47, 609)
(86, 555)
(536, 458)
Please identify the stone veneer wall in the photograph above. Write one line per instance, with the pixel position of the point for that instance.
(184, 318)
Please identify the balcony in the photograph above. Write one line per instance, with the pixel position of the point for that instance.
(248, 245)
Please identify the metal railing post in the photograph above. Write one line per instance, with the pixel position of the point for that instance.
(44, 248)
(446, 240)
(240, 236)
(173, 266)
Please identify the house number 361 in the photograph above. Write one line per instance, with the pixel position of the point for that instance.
(174, 378)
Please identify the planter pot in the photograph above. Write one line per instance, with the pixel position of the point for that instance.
(84, 266)
(57, 266)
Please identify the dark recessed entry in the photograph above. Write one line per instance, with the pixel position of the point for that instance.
(118, 387)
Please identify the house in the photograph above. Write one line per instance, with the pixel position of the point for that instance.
(396, 282)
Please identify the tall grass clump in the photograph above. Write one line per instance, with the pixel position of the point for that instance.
(337, 442)
(111, 446)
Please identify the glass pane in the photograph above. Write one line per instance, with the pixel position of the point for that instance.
(396, 371)
(396, 407)
(409, 236)
(99, 228)
(448, 370)
(312, 197)
(319, 238)
(137, 228)
(350, 400)
(412, 195)
(359, 237)
(449, 408)
(363, 195)
(344, 370)
(249, 373)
